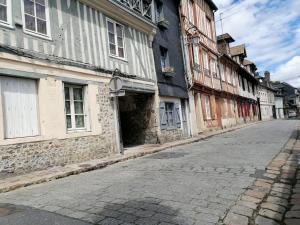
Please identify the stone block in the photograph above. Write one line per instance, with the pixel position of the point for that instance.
(278, 201)
(264, 221)
(235, 219)
(292, 221)
(270, 214)
(273, 207)
(242, 210)
(255, 194)
(293, 215)
(250, 199)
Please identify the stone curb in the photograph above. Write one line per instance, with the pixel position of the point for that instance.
(58, 172)
(270, 197)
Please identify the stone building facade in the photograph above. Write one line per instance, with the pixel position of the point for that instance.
(57, 59)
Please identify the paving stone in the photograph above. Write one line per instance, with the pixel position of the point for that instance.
(262, 184)
(280, 185)
(255, 194)
(293, 214)
(270, 175)
(276, 200)
(279, 195)
(242, 210)
(110, 221)
(270, 214)
(264, 221)
(250, 199)
(295, 208)
(273, 207)
(281, 190)
(292, 221)
(235, 219)
(250, 205)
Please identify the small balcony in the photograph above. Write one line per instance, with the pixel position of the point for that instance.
(141, 7)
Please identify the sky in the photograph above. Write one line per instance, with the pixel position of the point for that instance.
(271, 31)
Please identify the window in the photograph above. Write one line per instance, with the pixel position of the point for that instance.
(207, 107)
(233, 78)
(213, 68)
(164, 58)
(36, 18)
(229, 72)
(74, 107)
(20, 107)
(206, 63)
(222, 72)
(208, 27)
(170, 114)
(159, 10)
(116, 39)
(5, 12)
(190, 11)
(196, 62)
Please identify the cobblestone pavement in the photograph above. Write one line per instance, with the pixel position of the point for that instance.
(192, 184)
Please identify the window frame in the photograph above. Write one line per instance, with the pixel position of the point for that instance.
(207, 107)
(8, 23)
(166, 58)
(116, 39)
(47, 15)
(72, 108)
(190, 11)
(173, 115)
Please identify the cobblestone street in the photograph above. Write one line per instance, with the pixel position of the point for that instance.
(191, 184)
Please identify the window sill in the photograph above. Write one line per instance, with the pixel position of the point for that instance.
(71, 131)
(119, 58)
(46, 37)
(6, 25)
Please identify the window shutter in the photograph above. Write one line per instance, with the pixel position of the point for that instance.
(177, 115)
(162, 114)
(19, 107)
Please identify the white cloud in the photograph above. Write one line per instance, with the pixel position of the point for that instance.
(269, 28)
(289, 72)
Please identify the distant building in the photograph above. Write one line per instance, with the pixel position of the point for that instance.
(266, 94)
(291, 98)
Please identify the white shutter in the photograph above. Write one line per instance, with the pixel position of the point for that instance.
(19, 107)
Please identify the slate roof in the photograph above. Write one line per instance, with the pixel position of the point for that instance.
(226, 37)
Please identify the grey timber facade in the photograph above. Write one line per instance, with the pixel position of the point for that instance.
(56, 61)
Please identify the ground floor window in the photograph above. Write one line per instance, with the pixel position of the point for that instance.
(20, 107)
(170, 115)
(74, 107)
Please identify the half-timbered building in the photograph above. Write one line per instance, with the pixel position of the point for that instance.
(57, 58)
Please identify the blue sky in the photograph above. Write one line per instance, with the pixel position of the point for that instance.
(271, 31)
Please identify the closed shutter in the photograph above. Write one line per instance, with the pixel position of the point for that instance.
(19, 107)
(177, 115)
(162, 114)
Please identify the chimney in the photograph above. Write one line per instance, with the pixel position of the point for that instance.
(267, 76)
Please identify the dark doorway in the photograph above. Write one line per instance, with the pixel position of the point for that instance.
(135, 118)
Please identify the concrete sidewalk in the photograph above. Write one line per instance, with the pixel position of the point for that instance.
(12, 183)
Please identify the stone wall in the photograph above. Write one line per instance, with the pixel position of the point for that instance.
(170, 135)
(25, 157)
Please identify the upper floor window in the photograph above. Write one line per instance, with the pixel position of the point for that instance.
(206, 63)
(229, 75)
(5, 12)
(116, 39)
(190, 11)
(213, 68)
(164, 58)
(208, 27)
(36, 16)
(222, 72)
